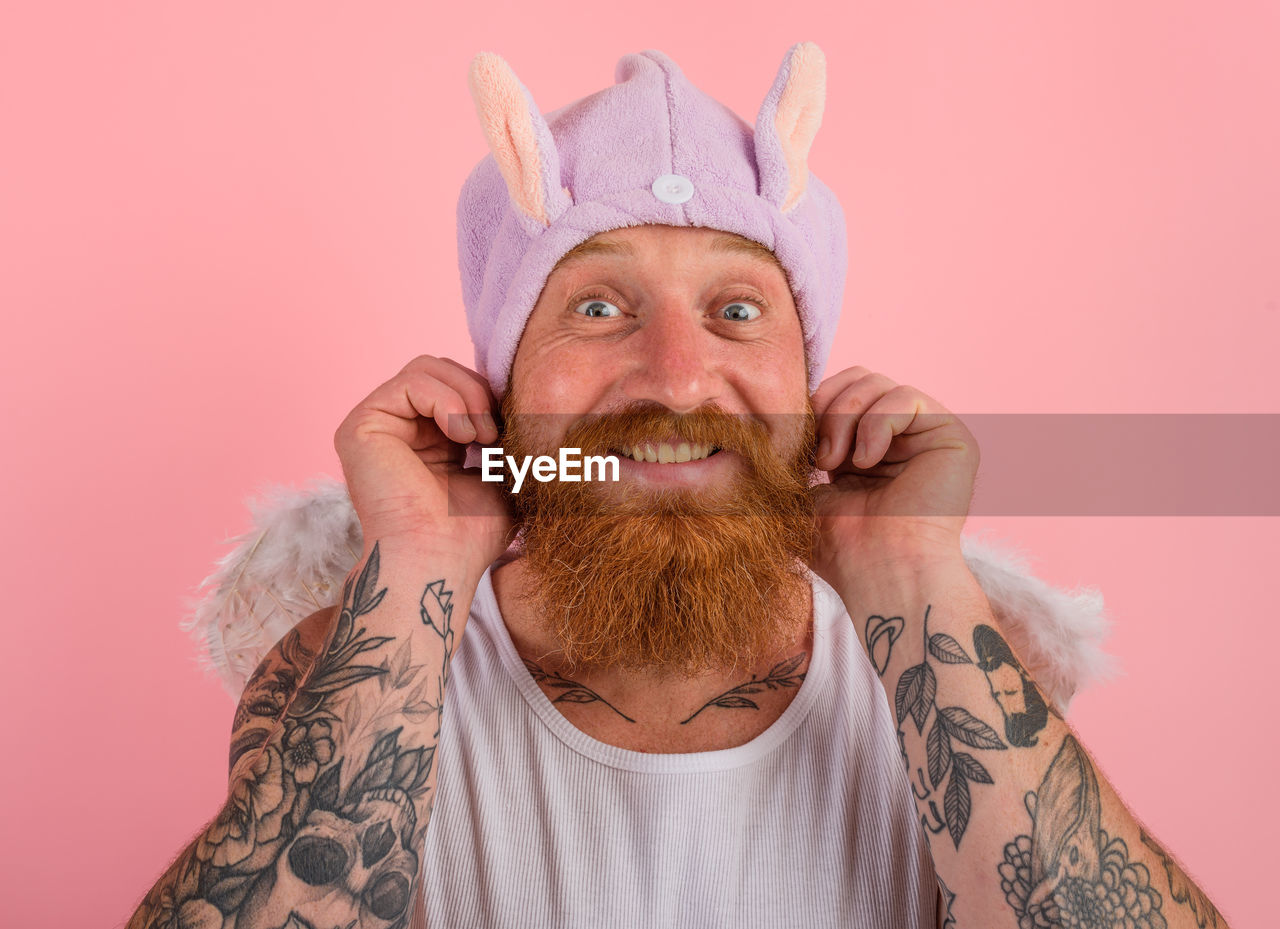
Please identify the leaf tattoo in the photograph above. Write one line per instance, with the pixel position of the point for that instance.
(966, 727)
(917, 690)
(783, 674)
(573, 692)
(967, 765)
(938, 752)
(916, 696)
(947, 650)
(365, 600)
(957, 805)
(334, 670)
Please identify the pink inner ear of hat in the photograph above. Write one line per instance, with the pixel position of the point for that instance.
(503, 108)
(799, 115)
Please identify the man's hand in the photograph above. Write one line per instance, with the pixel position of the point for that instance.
(902, 470)
(402, 450)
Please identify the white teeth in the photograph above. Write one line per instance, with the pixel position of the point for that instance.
(665, 453)
(637, 453)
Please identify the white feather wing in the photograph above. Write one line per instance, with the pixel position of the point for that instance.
(304, 543)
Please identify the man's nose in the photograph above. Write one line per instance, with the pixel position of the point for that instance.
(672, 361)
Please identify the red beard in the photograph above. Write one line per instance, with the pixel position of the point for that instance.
(674, 581)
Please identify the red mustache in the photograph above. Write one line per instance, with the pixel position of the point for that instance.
(642, 422)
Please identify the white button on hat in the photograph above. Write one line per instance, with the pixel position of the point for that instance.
(673, 188)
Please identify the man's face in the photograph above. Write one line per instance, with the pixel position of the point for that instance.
(676, 317)
(681, 351)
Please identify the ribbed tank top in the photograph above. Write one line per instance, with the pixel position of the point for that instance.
(539, 826)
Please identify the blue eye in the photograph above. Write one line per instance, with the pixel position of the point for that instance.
(597, 308)
(740, 312)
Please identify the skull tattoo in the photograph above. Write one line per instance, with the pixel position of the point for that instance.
(351, 867)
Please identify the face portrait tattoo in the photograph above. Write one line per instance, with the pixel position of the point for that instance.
(1025, 712)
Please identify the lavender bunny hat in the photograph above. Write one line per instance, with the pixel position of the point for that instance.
(651, 149)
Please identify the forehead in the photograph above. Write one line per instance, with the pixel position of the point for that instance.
(634, 242)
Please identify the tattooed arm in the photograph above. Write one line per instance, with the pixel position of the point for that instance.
(325, 820)
(1024, 829)
(328, 806)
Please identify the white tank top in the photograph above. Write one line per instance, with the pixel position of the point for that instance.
(536, 824)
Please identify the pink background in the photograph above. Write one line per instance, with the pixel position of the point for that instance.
(222, 224)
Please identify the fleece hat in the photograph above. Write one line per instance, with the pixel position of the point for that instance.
(651, 149)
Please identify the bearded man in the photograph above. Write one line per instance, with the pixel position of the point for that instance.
(662, 714)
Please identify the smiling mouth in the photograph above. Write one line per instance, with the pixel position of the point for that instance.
(668, 453)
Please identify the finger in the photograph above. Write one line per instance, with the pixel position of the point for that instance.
(902, 448)
(407, 405)
(902, 411)
(835, 385)
(839, 419)
(479, 403)
(432, 447)
(474, 388)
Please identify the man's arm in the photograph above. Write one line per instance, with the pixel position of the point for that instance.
(260, 710)
(1023, 827)
(327, 807)
(341, 781)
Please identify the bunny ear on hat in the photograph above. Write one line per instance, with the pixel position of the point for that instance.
(520, 141)
(788, 121)
(652, 149)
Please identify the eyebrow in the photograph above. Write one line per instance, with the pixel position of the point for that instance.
(725, 242)
(594, 247)
(736, 244)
